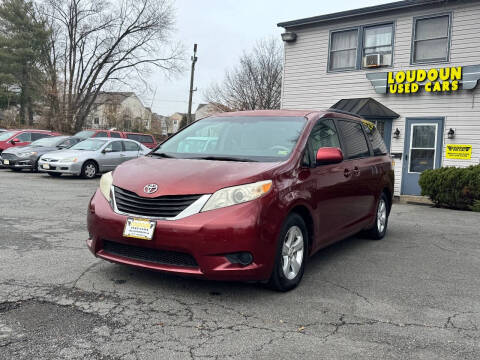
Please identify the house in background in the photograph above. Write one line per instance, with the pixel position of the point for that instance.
(160, 124)
(121, 110)
(411, 67)
(204, 110)
(175, 121)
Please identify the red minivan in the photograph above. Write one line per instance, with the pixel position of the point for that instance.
(245, 196)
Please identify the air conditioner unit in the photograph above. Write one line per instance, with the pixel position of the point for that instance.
(373, 60)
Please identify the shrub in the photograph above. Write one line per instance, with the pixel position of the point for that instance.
(456, 188)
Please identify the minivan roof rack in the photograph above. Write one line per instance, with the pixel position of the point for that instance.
(345, 112)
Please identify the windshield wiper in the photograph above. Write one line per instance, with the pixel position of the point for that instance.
(225, 158)
(164, 155)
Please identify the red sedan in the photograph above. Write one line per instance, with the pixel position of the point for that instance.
(245, 196)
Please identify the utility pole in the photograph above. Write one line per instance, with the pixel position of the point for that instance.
(192, 75)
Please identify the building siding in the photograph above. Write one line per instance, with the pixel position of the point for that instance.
(308, 85)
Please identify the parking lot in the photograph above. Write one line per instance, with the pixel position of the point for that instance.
(416, 294)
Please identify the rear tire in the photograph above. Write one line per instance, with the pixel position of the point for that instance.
(89, 170)
(379, 229)
(52, 174)
(291, 254)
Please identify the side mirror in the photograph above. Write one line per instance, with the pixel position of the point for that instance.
(14, 141)
(107, 150)
(329, 155)
(62, 146)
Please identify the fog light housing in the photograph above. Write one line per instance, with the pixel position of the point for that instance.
(243, 258)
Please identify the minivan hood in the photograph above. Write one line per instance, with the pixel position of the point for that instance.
(188, 176)
(17, 149)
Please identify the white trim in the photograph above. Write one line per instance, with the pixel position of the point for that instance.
(411, 141)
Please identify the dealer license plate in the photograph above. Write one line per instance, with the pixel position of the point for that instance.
(6, 162)
(46, 166)
(139, 228)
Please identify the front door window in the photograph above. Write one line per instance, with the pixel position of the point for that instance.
(423, 147)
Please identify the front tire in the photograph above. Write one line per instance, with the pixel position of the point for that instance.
(379, 229)
(89, 170)
(292, 250)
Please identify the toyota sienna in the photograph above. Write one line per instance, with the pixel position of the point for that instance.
(266, 190)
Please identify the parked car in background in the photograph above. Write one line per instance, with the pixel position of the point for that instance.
(146, 139)
(26, 157)
(3, 130)
(273, 189)
(96, 133)
(91, 157)
(24, 137)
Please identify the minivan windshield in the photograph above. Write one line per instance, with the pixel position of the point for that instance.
(243, 138)
(89, 144)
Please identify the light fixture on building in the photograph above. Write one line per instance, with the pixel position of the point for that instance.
(451, 133)
(396, 133)
(289, 36)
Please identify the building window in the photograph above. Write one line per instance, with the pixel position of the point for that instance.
(431, 39)
(343, 50)
(96, 121)
(379, 40)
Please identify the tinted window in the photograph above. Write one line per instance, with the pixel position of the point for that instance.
(130, 146)
(146, 139)
(101, 134)
(324, 134)
(355, 144)
(376, 139)
(115, 146)
(26, 136)
(36, 136)
(70, 142)
(115, 134)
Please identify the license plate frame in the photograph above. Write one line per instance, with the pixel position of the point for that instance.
(6, 162)
(139, 228)
(46, 166)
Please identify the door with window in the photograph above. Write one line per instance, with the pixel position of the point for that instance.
(132, 150)
(358, 168)
(422, 151)
(112, 156)
(326, 183)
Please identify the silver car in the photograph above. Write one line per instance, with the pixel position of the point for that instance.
(91, 157)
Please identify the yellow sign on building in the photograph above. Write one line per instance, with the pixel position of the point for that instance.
(459, 152)
(433, 80)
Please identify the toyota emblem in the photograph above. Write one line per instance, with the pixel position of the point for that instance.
(150, 188)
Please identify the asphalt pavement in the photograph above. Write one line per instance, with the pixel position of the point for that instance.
(413, 295)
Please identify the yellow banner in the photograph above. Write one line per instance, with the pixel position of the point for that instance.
(461, 152)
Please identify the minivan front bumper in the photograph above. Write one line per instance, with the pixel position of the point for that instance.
(210, 238)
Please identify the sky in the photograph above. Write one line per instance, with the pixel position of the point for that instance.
(223, 30)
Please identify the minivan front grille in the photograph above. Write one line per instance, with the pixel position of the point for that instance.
(9, 156)
(167, 206)
(151, 255)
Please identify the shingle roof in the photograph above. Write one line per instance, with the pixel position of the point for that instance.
(367, 108)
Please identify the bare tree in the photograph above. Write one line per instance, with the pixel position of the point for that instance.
(256, 81)
(95, 44)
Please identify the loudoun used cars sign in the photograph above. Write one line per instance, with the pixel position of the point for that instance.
(444, 80)
(433, 80)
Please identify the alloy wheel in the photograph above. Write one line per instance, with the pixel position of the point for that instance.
(381, 215)
(292, 252)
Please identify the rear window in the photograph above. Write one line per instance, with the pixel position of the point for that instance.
(356, 145)
(115, 134)
(101, 134)
(36, 136)
(376, 139)
(144, 139)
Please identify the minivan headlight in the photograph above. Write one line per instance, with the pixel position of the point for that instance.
(237, 194)
(106, 182)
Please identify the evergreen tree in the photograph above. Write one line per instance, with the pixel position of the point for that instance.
(21, 41)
